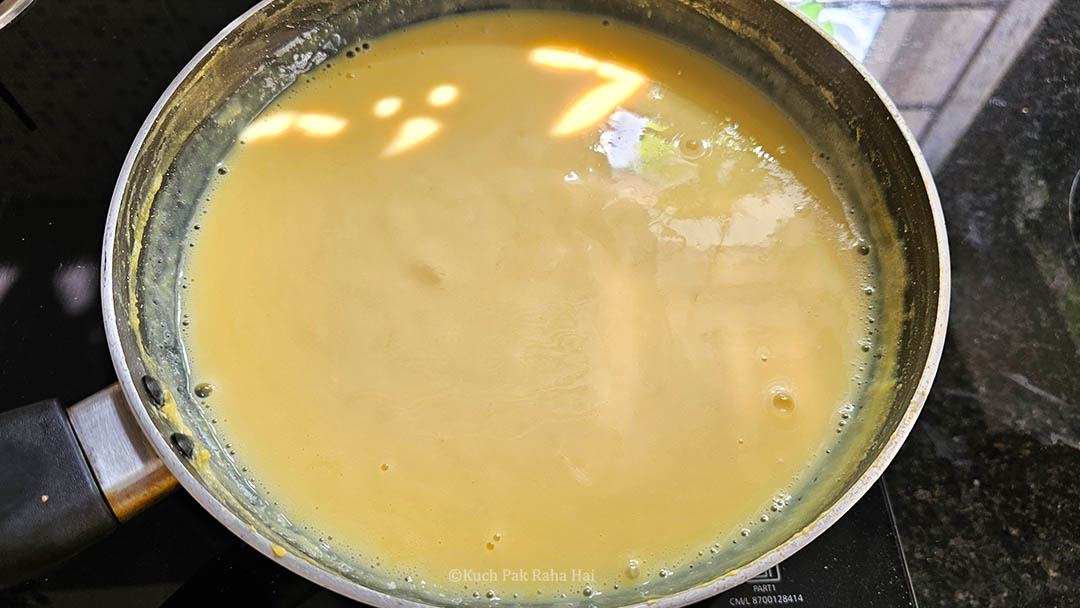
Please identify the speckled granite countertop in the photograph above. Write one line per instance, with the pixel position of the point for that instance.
(987, 489)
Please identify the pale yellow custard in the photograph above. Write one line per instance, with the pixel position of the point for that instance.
(525, 294)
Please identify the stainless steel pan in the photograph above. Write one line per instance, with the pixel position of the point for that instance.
(105, 459)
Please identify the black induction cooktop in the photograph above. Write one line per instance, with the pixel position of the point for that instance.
(76, 81)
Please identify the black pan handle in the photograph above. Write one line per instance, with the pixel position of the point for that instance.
(68, 477)
(50, 503)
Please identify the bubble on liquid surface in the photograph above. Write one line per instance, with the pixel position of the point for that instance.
(782, 399)
(779, 502)
(846, 410)
(692, 149)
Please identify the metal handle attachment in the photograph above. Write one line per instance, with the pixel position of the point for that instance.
(127, 469)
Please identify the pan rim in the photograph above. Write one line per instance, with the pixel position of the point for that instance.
(359, 592)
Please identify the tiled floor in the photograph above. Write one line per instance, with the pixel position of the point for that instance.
(918, 54)
(937, 59)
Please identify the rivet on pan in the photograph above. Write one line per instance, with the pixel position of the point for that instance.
(183, 443)
(203, 390)
(153, 388)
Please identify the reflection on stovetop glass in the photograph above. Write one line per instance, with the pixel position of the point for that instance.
(984, 490)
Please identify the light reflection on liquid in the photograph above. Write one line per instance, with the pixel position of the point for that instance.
(649, 158)
(320, 125)
(271, 126)
(308, 123)
(387, 106)
(596, 104)
(418, 129)
(622, 142)
(442, 95)
(412, 132)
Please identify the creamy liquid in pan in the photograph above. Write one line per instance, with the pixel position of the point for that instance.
(528, 294)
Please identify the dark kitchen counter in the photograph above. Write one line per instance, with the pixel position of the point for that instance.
(986, 490)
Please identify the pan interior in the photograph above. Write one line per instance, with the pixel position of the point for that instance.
(868, 158)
